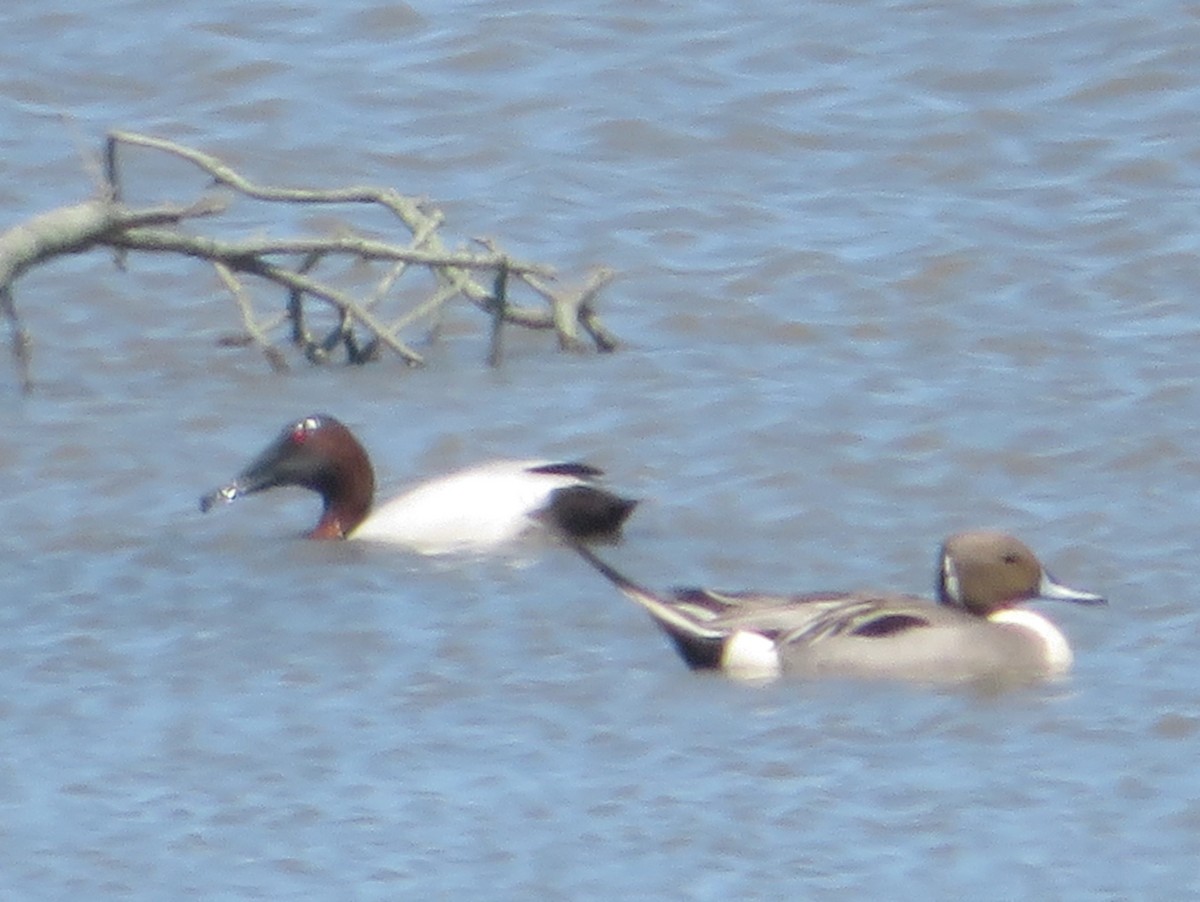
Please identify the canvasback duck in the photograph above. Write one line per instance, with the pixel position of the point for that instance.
(975, 634)
(472, 510)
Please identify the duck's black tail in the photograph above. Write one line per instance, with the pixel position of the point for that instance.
(699, 646)
(586, 513)
(612, 574)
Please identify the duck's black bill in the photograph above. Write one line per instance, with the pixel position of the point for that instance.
(1053, 591)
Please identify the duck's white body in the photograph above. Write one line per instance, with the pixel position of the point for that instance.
(476, 509)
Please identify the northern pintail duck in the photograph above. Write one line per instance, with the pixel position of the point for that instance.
(975, 633)
(473, 510)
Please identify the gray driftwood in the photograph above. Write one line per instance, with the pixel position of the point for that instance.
(366, 322)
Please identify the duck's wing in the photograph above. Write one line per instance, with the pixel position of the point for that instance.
(716, 613)
(768, 613)
(700, 620)
(576, 469)
(866, 615)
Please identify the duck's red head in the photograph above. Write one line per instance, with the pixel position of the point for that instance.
(318, 453)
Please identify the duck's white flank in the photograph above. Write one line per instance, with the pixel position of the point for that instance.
(750, 656)
(1058, 654)
(480, 507)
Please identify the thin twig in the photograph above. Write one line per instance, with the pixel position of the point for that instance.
(499, 304)
(428, 307)
(571, 309)
(19, 338)
(295, 281)
(231, 282)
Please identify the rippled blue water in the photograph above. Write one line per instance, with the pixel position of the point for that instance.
(886, 271)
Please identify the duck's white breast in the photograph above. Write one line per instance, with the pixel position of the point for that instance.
(1057, 652)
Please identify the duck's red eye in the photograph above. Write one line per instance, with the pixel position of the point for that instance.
(305, 428)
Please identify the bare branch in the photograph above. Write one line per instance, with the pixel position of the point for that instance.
(342, 301)
(499, 305)
(141, 239)
(570, 309)
(292, 264)
(20, 340)
(78, 228)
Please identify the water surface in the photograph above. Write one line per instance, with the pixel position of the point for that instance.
(886, 271)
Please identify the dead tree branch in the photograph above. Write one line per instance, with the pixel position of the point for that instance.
(363, 321)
